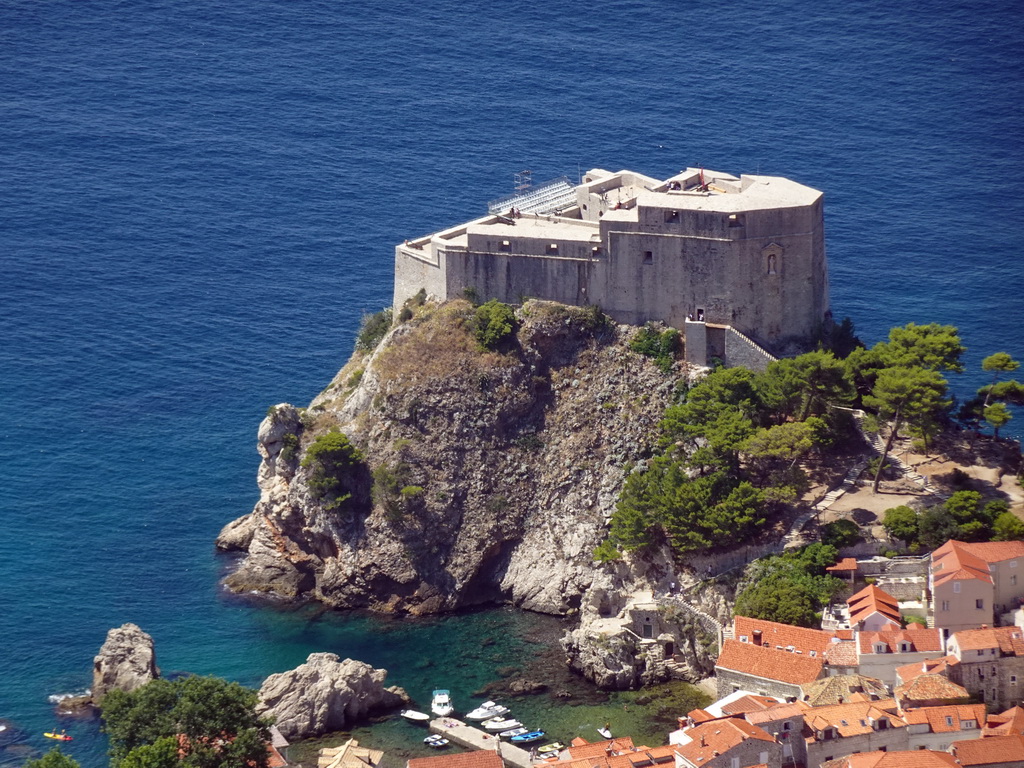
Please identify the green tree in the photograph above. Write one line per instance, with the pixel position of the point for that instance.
(212, 722)
(338, 473)
(997, 363)
(933, 346)
(494, 324)
(905, 394)
(791, 588)
(53, 759)
(809, 383)
(997, 415)
(1008, 527)
(662, 347)
(936, 526)
(901, 523)
(373, 329)
(841, 533)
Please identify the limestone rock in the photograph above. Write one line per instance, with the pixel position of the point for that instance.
(237, 535)
(126, 661)
(325, 694)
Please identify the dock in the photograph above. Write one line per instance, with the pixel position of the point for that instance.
(457, 732)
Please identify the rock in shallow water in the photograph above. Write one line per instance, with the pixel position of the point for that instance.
(126, 661)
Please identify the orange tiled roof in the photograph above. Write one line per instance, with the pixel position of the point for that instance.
(778, 635)
(769, 663)
(482, 758)
(921, 640)
(842, 654)
(751, 703)
(1009, 640)
(995, 749)
(853, 718)
(918, 758)
(931, 688)
(713, 739)
(778, 712)
(938, 718)
(830, 690)
(953, 560)
(644, 756)
(600, 748)
(846, 564)
(908, 672)
(1006, 723)
(871, 600)
(995, 551)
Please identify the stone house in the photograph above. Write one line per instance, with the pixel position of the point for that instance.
(873, 610)
(917, 759)
(990, 752)
(930, 691)
(938, 727)
(764, 670)
(727, 743)
(481, 758)
(989, 662)
(973, 583)
(879, 654)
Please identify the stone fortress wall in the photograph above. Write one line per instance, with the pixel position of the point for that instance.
(744, 253)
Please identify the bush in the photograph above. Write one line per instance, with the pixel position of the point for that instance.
(606, 552)
(661, 347)
(291, 446)
(373, 329)
(53, 759)
(338, 470)
(841, 533)
(494, 324)
(390, 482)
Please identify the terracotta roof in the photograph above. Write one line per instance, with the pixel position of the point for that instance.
(601, 748)
(751, 703)
(769, 663)
(908, 672)
(872, 600)
(482, 758)
(1006, 723)
(846, 564)
(930, 688)
(830, 690)
(996, 749)
(778, 635)
(645, 756)
(954, 561)
(710, 740)
(852, 719)
(1009, 640)
(994, 551)
(946, 719)
(842, 654)
(922, 640)
(778, 712)
(918, 758)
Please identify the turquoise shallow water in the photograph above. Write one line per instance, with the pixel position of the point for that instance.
(198, 202)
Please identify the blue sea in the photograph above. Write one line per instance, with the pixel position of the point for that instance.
(198, 202)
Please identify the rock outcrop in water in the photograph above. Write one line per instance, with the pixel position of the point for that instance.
(126, 661)
(495, 474)
(325, 694)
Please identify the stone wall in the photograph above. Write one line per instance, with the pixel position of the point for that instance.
(728, 681)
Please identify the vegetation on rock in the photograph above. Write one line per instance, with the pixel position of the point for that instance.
(193, 722)
(962, 517)
(337, 471)
(53, 759)
(661, 346)
(494, 324)
(373, 329)
(791, 588)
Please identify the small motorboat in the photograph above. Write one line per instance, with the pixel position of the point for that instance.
(437, 741)
(554, 746)
(527, 738)
(58, 736)
(513, 732)
(487, 710)
(415, 717)
(441, 704)
(605, 732)
(500, 724)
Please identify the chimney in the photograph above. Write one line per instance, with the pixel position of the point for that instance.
(757, 637)
(703, 741)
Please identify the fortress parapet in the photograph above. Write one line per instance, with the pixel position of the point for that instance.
(746, 252)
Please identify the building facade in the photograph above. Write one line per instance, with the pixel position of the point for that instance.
(747, 253)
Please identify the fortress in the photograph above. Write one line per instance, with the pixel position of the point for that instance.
(738, 264)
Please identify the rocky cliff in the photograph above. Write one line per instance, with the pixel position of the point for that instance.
(126, 661)
(494, 473)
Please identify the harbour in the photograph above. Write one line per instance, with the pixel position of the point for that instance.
(464, 735)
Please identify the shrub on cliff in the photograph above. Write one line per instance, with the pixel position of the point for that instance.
(494, 324)
(53, 759)
(339, 476)
(374, 327)
(661, 347)
(791, 588)
(203, 722)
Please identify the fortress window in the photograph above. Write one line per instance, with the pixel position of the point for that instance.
(506, 245)
(671, 216)
(553, 248)
(735, 219)
(648, 257)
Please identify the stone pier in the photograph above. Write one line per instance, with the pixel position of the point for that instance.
(457, 732)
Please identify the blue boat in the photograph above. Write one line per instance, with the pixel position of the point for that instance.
(526, 738)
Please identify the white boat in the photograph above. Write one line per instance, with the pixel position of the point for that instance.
(500, 724)
(441, 704)
(513, 732)
(487, 710)
(605, 732)
(415, 717)
(555, 746)
(437, 741)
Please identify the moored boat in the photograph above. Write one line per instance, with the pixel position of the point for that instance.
(555, 746)
(605, 732)
(415, 717)
(441, 704)
(500, 724)
(527, 738)
(513, 732)
(487, 710)
(437, 741)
